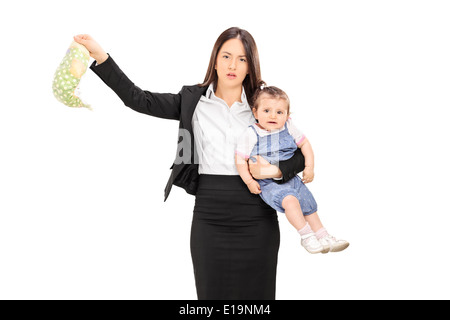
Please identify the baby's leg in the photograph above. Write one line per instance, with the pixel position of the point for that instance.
(314, 221)
(293, 212)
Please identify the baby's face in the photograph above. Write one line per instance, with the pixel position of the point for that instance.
(272, 113)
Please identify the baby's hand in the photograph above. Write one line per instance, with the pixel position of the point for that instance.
(254, 187)
(308, 175)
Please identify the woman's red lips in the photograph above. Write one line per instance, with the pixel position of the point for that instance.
(231, 75)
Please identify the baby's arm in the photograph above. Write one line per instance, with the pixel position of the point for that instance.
(304, 144)
(244, 148)
(242, 168)
(308, 172)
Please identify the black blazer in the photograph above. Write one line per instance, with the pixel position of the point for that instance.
(180, 107)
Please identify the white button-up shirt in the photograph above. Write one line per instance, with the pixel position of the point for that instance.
(217, 128)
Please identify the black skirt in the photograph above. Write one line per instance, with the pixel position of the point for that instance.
(235, 239)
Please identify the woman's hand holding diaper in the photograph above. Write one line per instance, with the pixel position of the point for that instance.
(95, 50)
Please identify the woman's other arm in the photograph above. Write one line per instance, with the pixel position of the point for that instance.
(286, 170)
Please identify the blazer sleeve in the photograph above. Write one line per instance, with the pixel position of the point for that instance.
(291, 167)
(161, 105)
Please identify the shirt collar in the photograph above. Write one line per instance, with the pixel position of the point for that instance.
(210, 94)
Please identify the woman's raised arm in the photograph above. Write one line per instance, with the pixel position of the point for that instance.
(161, 105)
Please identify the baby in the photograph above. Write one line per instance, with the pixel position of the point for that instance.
(275, 138)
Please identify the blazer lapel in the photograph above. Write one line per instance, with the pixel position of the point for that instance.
(187, 112)
(188, 108)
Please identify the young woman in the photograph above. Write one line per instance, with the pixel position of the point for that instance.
(235, 234)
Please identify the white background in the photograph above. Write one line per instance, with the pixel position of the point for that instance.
(82, 214)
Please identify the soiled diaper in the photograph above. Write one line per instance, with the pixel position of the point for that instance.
(68, 76)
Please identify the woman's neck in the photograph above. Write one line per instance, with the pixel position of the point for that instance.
(230, 94)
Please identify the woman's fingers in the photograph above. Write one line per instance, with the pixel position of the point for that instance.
(83, 36)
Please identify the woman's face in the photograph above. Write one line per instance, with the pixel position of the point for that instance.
(231, 64)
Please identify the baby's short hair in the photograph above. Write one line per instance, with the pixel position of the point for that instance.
(272, 92)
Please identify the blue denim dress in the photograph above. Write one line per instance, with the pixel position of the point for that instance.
(274, 148)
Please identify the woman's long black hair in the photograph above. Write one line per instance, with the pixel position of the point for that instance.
(253, 79)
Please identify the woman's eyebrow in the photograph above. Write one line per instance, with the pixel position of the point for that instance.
(232, 54)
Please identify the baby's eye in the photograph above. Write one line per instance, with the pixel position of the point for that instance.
(266, 110)
(280, 112)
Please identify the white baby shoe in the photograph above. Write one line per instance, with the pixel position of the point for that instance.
(311, 244)
(330, 244)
